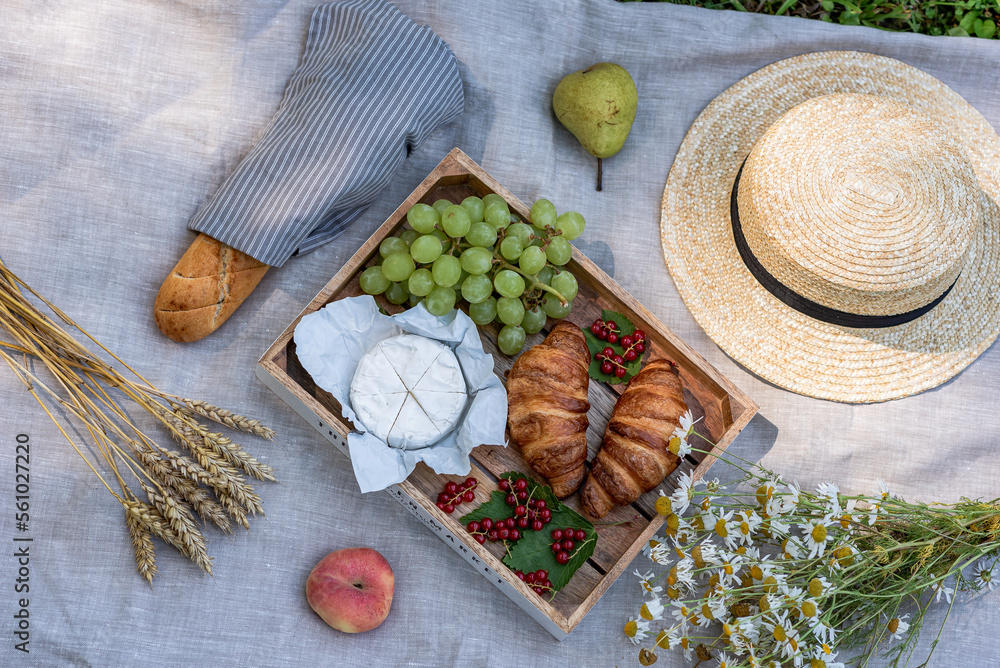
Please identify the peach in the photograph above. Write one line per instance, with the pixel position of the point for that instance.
(351, 589)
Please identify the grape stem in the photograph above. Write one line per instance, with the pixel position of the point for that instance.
(534, 282)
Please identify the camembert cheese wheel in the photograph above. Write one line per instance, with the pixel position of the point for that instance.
(409, 391)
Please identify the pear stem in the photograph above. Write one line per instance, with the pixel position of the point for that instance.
(600, 169)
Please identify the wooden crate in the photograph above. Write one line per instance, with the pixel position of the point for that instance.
(723, 409)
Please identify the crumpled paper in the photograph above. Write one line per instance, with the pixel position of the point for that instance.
(330, 343)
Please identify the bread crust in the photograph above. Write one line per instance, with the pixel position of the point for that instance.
(634, 456)
(547, 407)
(204, 288)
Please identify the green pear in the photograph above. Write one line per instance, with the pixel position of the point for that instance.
(598, 106)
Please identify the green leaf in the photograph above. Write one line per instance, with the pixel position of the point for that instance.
(985, 29)
(534, 550)
(827, 5)
(968, 20)
(596, 345)
(496, 509)
(784, 7)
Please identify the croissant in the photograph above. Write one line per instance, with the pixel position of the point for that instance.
(634, 458)
(547, 407)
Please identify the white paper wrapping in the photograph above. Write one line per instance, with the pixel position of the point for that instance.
(331, 342)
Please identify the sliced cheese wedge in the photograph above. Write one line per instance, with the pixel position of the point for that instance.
(409, 391)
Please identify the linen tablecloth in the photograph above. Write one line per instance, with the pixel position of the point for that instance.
(118, 119)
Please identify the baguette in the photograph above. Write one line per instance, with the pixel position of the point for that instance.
(206, 285)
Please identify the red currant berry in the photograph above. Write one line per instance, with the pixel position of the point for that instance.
(510, 522)
(451, 487)
(540, 504)
(568, 544)
(562, 557)
(440, 504)
(521, 484)
(520, 511)
(581, 534)
(608, 352)
(471, 482)
(510, 500)
(602, 335)
(557, 534)
(546, 514)
(630, 355)
(541, 574)
(522, 496)
(538, 590)
(520, 575)
(493, 535)
(612, 337)
(469, 496)
(620, 372)
(618, 360)
(486, 524)
(529, 577)
(515, 534)
(556, 546)
(480, 538)
(504, 533)
(595, 329)
(443, 497)
(626, 341)
(523, 522)
(472, 527)
(537, 525)
(606, 367)
(547, 584)
(639, 347)
(638, 335)
(448, 508)
(611, 325)
(504, 484)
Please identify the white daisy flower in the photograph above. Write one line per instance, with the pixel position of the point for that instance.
(636, 630)
(831, 492)
(784, 503)
(725, 528)
(786, 637)
(791, 548)
(983, 573)
(648, 583)
(849, 517)
(729, 570)
(941, 590)
(898, 627)
(747, 524)
(881, 489)
(816, 534)
(681, 613)
(681, 498)
(726, 661)
(820, 586)
(823, 632)
(826, 656)
(652, 610)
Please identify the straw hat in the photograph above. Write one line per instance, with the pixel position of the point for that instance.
(831, 221)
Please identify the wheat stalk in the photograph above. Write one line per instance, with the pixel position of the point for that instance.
(211, 484)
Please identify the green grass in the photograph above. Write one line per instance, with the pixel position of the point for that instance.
(975, 18)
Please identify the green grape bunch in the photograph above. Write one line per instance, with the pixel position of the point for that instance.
(507, 270)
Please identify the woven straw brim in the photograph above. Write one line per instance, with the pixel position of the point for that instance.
(775, 341)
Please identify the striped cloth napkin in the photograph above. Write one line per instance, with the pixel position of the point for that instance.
(370, 88)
